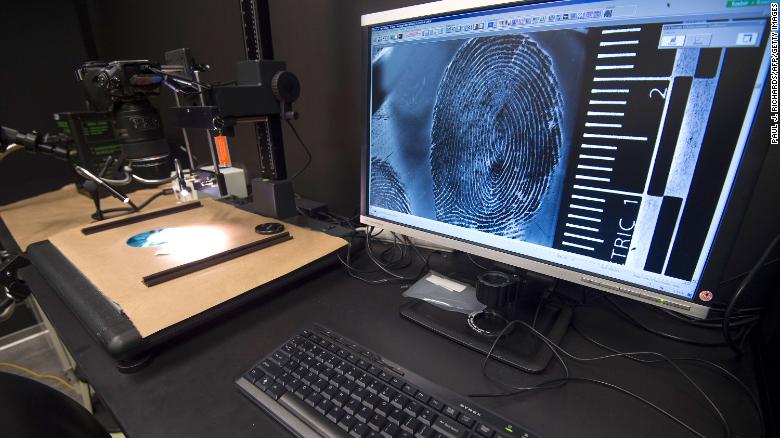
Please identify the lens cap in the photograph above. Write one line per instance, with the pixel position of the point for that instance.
(269, 228)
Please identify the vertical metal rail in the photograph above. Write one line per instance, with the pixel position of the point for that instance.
(256, 20)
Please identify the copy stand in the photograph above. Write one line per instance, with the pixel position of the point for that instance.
(520, 348)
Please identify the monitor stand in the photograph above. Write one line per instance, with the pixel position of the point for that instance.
(520, 349)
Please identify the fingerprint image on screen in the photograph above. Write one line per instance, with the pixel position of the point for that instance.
(387, 189)
(476, 132)
(496, 136)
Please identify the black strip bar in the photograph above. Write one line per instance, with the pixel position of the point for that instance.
(103, 226)
(681, 88)
(197, 265)
(662, 236)
(735, 88)
(707, 66)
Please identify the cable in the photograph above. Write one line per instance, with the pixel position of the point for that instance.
(143, 205)
(711, 323)
(305, 149)
(567, 378)
(724, 371)
(738, 276)
(38, 375)
(660, 333)
(474, 262)
(732, 343)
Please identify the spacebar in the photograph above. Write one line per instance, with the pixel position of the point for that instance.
(311, 417)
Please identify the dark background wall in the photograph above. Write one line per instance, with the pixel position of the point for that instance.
(41, 45)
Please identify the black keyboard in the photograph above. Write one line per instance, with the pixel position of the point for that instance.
(320, 384)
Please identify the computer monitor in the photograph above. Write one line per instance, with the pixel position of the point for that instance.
(605, 143)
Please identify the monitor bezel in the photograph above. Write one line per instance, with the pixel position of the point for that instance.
(748, 172)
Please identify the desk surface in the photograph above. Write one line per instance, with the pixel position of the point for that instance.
(187, 389)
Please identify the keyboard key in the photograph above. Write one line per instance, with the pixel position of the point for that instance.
(364, 414)
(338, 381)
(388, 394)
(449, 428)
(372, 401)
(374, 371)
(306, 333)
(271, 368)
(335, 414)
(349, 387)
(376, 387)
(422, 397)
(362, 364)
(324, 407)
(284, 378)
(390, 431)
(450, 412)
(397, 383)
(340, 400)
(364, 380)
(399, 401)
(293, 385)
(353, 374)
(319, 385)
(308, 362)
(303, 392)
(328, 374)
(309, 378)
(435, 404)
(347, 422)
(376, 423)
(425, 432)
(384, 408)
(253, 374)
(427, 417)
(314, 399)
(411, 425)
(384, 376)
(264, 382)
(275, 391)
(298, 372)
(396, 417)
(409, 389)
(466, 420)
(333, 362)
(299, 356)
(280, 357)
(330, 392)
(360, 394)
(352, 407)
(289, 348)
(413, 408)
(485, 431)
(359, 431)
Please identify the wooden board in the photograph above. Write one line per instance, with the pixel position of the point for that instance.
(117, 269)
(35, 219)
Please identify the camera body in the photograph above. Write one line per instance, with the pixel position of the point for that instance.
(121, 125)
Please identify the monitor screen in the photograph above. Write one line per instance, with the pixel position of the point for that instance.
(601, 137)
